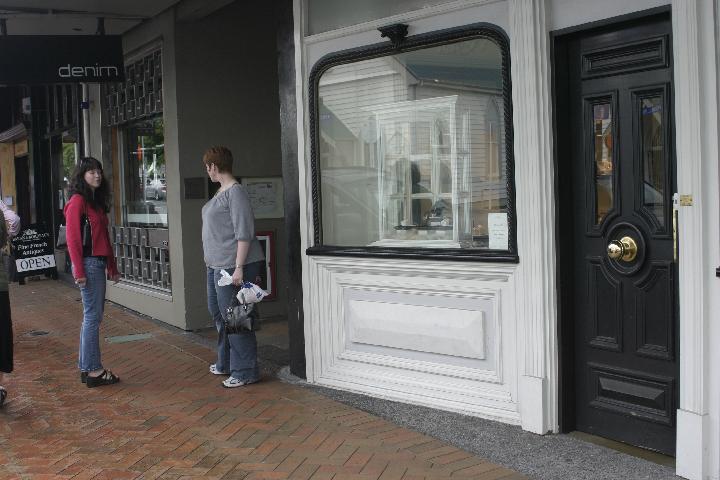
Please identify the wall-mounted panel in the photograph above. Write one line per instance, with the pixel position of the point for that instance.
(429, 333)
(416, 330)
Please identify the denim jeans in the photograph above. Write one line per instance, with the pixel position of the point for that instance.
(93, 299)
(237, 352)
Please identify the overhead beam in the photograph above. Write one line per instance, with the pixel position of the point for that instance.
(30, 12)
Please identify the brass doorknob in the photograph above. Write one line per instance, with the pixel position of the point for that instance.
(624, 249)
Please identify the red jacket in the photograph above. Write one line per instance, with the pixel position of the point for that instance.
(101, 246)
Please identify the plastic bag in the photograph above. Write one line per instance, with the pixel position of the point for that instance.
(225, 279)
(249, 292)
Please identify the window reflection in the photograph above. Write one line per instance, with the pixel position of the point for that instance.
(411, 149)
(653, 156)
(145, 180)
(603, 148)
(70, 158)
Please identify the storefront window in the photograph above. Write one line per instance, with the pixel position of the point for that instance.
(412, 149)
(144, 170)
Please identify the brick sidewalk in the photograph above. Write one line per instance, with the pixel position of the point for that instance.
(170, 419)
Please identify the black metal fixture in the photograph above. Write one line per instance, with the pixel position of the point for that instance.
(396, 33)
(3, 26)
(100, 26)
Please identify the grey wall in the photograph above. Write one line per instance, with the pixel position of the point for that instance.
(227, 94)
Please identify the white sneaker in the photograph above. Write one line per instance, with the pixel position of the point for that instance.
(233, 382)
(215, 371)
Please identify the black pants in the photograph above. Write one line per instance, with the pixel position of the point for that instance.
(6, 335)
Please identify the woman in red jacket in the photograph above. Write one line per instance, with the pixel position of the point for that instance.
(92, 260)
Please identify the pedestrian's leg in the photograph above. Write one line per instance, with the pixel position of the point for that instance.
(6, 341)
(93, 299)
(222, 364)
(6, 334)
(243, 345)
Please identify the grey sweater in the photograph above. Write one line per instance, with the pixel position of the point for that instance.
(227, 218)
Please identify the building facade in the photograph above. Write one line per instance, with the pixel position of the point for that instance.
(510, 209)
(506, 208)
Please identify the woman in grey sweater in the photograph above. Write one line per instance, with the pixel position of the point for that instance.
(229, 243)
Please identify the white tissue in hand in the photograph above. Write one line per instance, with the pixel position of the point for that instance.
(250, 293)
(225, 279)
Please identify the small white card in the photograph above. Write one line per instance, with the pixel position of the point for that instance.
(498, 230)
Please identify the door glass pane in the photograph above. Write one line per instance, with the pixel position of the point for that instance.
(653, 161)
(603, 156)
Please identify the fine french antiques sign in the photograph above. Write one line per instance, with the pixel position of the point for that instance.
(33, 249)
(40, 59)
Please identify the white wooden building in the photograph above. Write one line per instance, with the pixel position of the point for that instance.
(509, 208)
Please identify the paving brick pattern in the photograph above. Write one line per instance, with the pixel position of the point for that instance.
(170, 419)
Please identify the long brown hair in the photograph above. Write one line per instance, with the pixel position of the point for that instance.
(98, 198)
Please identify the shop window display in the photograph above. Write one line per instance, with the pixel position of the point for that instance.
(413, 149)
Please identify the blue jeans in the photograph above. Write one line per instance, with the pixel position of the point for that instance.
(237, 352)
(93, 299)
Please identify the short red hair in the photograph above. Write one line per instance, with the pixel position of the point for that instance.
(221, 157)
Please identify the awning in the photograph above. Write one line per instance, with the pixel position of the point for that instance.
(14, 133)
(43, 59)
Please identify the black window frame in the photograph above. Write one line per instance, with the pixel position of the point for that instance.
(410, 43)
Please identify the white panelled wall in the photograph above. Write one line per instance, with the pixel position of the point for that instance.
(535, 189)
(696, 127)
(481, 338)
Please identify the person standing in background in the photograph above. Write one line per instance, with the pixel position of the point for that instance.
(90, 263)
(9, 227)
(229, 243)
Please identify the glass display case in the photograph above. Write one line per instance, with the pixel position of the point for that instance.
(422, 173)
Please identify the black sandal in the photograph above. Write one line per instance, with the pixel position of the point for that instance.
(3, 395)
(105, 378)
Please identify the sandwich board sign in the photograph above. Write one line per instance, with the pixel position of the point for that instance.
(33, 249)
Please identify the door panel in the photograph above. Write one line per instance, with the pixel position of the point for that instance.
(616, 176)
(606, 307)
(655, 307)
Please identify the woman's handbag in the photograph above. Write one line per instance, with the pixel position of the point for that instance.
(86, 235)
(61, 237)
(241, 317)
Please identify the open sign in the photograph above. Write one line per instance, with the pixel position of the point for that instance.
(35, 263)
(33, 249)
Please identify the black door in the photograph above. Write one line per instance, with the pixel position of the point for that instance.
(618, 274)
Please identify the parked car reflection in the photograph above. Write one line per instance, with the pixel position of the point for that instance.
(156, 189)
